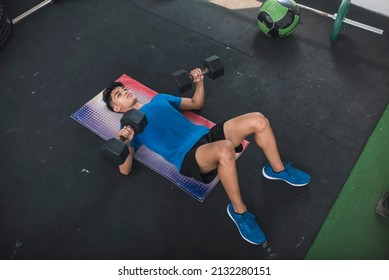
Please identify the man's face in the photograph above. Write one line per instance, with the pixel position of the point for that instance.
(122, 99)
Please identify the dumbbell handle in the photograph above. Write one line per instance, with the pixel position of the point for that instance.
(123, 138)
(203, 72)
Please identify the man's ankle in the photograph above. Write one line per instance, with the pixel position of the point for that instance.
(239, 209)
(278, 168)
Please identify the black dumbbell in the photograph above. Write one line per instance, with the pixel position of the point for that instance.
(116, 151)
(213, 67)
(134, 118)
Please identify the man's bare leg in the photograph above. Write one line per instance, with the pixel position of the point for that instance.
(220, 155)
(237, 129)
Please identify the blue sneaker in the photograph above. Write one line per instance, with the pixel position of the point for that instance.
(248, 227)
(291, 175)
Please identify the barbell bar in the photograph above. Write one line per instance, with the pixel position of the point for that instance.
(340, 18)
(32, 10)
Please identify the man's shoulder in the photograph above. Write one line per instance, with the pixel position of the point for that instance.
(162, 95)
(165, 96)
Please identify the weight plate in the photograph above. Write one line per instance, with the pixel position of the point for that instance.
(338, 24)
(1, 11)
(4, 37)
(3, 27)
(4, 23)
(5, 32)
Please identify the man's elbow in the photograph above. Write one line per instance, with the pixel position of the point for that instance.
(198, 105)
(125, 171)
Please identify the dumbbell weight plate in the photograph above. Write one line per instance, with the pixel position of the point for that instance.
(182, 80)
(338, 23)
(215, 67)
(135, 119)
(114, 151)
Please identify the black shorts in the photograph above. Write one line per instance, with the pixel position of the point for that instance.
(190, 167)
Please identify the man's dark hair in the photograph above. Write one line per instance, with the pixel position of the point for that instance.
(107, 97)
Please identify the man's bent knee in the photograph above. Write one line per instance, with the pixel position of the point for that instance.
(226, 151)
(259, 121)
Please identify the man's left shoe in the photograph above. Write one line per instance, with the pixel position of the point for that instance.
(291, 175)
(247, 226)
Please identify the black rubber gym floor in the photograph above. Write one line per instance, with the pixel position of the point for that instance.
(59, 200)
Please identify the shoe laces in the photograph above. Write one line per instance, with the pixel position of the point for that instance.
(291, 170)
(249, 220)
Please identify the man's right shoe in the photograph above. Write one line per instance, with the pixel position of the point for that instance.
(247, 226)
(290, 175)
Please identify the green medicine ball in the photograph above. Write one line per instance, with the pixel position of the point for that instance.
(278, 18)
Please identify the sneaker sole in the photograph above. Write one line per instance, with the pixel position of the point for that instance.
(249, 241)
(274, 178)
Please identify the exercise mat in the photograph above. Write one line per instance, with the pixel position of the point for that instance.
(95, 116)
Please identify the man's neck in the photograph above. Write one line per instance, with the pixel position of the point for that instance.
(137, 105)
